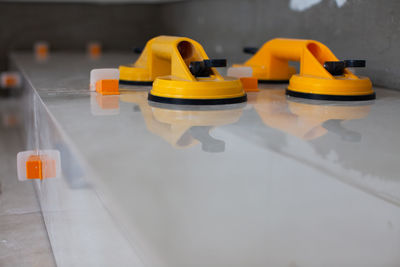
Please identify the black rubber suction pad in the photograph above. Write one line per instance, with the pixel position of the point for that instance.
(194, 102)
(273, 81)
(331, 97)
(140, 83)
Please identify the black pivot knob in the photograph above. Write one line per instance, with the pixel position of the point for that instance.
(250, 50)
(336, 68)
(203, 68)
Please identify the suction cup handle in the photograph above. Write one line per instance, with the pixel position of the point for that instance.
(250, 50)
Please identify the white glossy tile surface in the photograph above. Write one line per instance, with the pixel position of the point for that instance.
(278, 181)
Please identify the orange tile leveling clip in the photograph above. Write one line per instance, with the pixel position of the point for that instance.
(322, 75)
(39, 164)
(104, 81)
(41, 49)
(40, 167)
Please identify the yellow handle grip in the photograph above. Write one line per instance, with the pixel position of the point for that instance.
(271, 62)
(170, 55)
(286, 49)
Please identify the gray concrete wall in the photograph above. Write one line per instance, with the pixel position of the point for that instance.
(359, 29)
(71, 26)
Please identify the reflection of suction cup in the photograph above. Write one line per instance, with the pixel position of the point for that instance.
(102, 105)
(307, 120)
(335, 126)
(183, 128)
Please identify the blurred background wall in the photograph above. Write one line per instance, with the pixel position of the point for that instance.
(353, 29)
(70, 26)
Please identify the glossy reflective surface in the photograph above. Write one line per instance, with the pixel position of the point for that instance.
(279, 181)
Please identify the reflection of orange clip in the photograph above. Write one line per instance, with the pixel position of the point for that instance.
(107, 102)
(104, 105)
(40, 167)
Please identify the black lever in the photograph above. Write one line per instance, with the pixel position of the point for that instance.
(336, 68)
(355, 63)
(250, 50)
(203, 68)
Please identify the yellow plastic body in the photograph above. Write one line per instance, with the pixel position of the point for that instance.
(271, 63)
(165, 60)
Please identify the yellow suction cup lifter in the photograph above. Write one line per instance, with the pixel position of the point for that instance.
(322, 76)
(183, 74)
